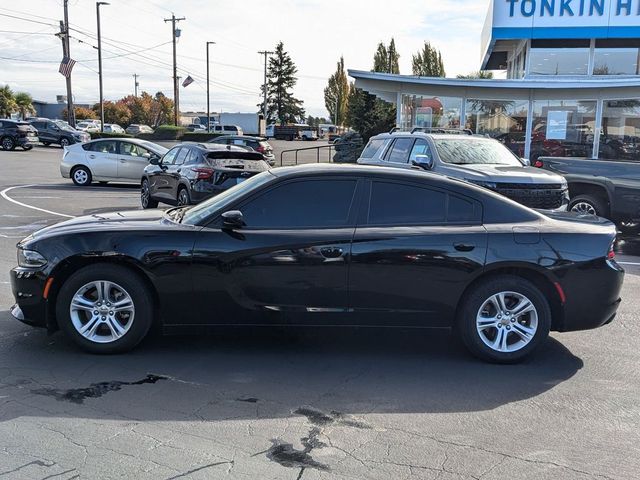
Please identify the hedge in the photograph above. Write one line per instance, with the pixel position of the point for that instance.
(164, 132)
(95, 135)
(198, 137)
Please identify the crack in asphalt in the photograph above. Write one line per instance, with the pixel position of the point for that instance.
(95, 390)
(40, 463)
(186, 474)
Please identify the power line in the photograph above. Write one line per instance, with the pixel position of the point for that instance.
(26, 19)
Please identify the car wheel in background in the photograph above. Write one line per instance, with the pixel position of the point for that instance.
(8, 143)
(145, 196)
(589, 204)
(27, 147)
(105, 308)
(183, 197)
(504, 319)
(81, 176)
(64, 142)
(46, 144)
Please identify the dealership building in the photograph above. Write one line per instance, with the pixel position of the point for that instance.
(572, 85)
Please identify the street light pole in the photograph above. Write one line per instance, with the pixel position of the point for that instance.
(98, 4)
(208, 106)
(264, 106)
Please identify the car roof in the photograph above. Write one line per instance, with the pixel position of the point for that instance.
(241, 137)
(213, 147)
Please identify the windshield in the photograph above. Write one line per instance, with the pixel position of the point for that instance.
(475, 151)
(63, 125)
(196, 214)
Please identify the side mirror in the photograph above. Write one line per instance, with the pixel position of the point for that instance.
(424, 162)
(526, 162)
(154, 159)
(147, 155)
(232, 220)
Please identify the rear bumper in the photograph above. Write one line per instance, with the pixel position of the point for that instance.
(22, 141)
(592, 295)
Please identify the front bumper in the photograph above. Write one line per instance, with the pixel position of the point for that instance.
(28, 287)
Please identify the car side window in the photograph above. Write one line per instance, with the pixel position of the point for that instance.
(105, 146)
(372, 147)
(193, 157)
(421, 147)
(170, 155)
(131, 149)
(399, 151)
(182, 156)
(318, 203)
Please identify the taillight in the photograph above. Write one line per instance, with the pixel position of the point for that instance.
(538, 164)
(203, 173)
(611, 254)
(260, 149)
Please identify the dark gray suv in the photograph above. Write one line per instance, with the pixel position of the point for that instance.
(58, 132)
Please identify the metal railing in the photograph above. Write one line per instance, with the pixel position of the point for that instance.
(329, 157)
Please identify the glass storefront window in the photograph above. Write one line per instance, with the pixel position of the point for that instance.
(504, 120)
(428, 111)
(563, 128)
(620, 137)
(616, 61)
(559, 61)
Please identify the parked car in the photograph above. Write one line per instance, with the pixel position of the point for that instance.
(108, 160)
(17, 134)
(309, 134)
(112, 128)
(136, 129)
(480, 160)
(196, 127)
(192, 172)
(227, 129)
(58, 133)
(87, 127)
(605, 188)
(258, 144)
(325, 245)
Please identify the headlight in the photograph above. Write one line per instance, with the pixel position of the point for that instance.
(30, 259)
(482, 183)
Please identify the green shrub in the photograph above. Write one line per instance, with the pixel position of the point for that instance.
(95, 135)
(198, 137)
(166, 132)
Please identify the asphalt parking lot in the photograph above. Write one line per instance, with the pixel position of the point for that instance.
(312, 404)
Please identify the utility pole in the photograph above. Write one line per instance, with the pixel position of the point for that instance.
(264, 107)
(64, 36)
(135, 84)
(176, 105)
(208, 106)
(98, 4)
(177, 100)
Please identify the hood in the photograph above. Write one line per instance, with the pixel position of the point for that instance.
(137, 219)
(505, 174)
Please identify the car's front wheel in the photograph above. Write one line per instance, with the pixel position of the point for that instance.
(183, 197)
(8, 143)
(64, 142)
(105, 308)
(81, 176)
(145, 196)
(590, 204)
(27, 147)
(504, 319)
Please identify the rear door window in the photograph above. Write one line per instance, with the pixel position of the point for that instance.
(399, 151)
(181, 157)
(170, 155)
(105, 146)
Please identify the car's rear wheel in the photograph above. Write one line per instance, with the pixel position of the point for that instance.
(105, 308)
(183, 197)
(64, 142)
(46, 144)
(8, 143)
(504, 319)
(81, 176)
(589, 204)
(145, 196)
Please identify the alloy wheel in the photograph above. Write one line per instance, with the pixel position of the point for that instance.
(507, 321)
(183, 198)
(584, 207)
(81, 176)
(64, 142)
(7, 144)
(102, 311)
(144, 194)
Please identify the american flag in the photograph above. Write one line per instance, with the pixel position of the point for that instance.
(187, 81)
(66, 65)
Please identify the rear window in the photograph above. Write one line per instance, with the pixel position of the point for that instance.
(235, 155)
(372, 147)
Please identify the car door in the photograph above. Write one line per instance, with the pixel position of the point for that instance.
(131, 160)
(102, 159)
(159, 176)
(415, 249)
(174, 172)
(290, 260)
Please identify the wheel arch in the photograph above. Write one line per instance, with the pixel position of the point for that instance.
(585, 187)
(542, 280)
(63, 271)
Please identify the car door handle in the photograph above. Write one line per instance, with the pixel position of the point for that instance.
(122, 160)
(463, 247)
(331, 252)
(178, 170)
(92, 156)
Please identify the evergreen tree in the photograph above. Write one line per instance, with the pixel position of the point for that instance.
(282, 106)
(336, 94)
(386, 59)
(428, 62)
(479, 74)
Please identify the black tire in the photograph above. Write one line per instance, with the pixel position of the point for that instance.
(65, 142)
(81, 176)
(46, 144)
(26, 148)
(480, 296)
(145, 196)
(588, 203)
(8, 143)
(183, 197)
(629, 228)
(135, 287)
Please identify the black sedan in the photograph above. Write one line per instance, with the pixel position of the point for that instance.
(192, 172)
(325, 245)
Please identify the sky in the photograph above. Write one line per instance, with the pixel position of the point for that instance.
(135, 39)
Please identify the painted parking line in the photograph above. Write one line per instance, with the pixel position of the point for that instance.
(4, 194)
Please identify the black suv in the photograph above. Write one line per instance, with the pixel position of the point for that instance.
(14, 134)
(192, 172)
(51, 131)
(258, 144)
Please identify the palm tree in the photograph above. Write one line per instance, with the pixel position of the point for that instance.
(24, 104)
(7, 102)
